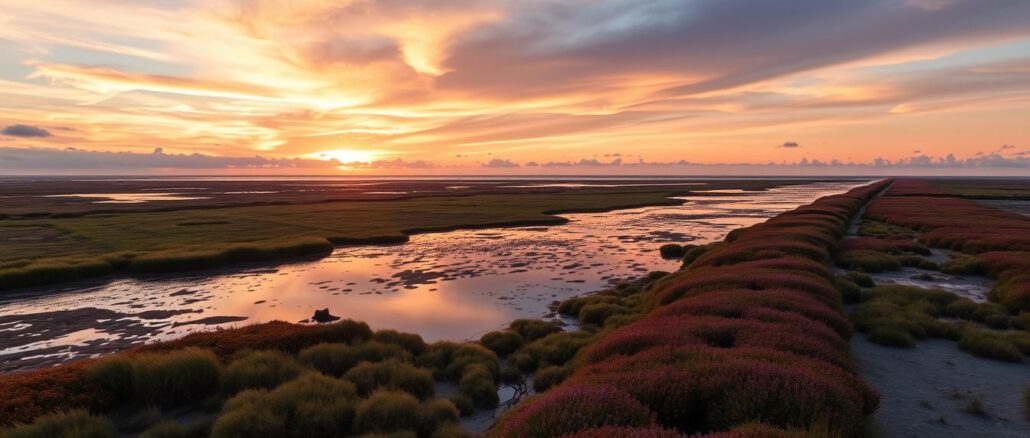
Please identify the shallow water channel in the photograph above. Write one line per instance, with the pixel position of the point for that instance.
(455, 285)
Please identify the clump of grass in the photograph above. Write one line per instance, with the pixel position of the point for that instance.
(597, 314)
(411, 342)
(479, 385)
(533, 329)
(963, 265)
(259, 369)
(367, 377)
(330, 359)
(71, 424)
(849, 291)
(376, 351)
(114, 375)
(448, 360)
(387, 412)
(891, 336)
(556, 349)
(891, 311)
(176, 377)
(860, 278)
(312, 405)
(502, 342)
(991, 345)
(511, 375)
(435, 414)
(880, 229)
(868, 261)
(464, 404)
(548, 377)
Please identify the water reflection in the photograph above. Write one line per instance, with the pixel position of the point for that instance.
(455, 285)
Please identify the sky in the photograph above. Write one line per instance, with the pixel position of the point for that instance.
(515, 86)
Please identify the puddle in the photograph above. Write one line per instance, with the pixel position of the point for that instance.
(454, 285)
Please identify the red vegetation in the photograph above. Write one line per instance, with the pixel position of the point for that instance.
(572, 408)
(1001, 238)
(25, 396)
(749, 339)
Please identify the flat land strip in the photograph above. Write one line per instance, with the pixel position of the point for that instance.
(36, 251)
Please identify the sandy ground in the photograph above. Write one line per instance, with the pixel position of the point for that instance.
(925, 390)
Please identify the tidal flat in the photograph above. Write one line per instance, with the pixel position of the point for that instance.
(453, 285)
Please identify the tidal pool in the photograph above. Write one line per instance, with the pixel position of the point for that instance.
(454, 285)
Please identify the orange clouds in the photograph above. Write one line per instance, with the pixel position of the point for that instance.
(456, 81)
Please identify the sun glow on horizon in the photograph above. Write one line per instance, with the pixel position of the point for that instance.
(421, 86)
(346, 156)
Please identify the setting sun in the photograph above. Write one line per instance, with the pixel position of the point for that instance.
(346, 156)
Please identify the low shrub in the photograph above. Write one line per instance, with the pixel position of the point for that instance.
(569, 409)
(114, 374)
(376, 351)
(990, 345)
(409, 341)
(330, 359)
(72, 424)
(849, 291)
(464, 404)
(868, 261)
(891, 336)
(573, 306)
(547, 377)
(860, 278)
(176, 377)
(556, 349)
(259, 369)
(386, 412)
(478, 384)
(511, 375)
(597, 314)
(368, 377)
(502, 342)
(963, 265)
(533, 329)
(448, 360)
(434, 414)
(312, 405)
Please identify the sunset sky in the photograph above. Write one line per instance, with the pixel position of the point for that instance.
(520, 86)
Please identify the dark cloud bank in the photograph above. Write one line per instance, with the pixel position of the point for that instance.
(25, 131)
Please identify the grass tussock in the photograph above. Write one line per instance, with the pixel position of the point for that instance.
(259, 370)
(368, 377)
(502, 342)
(72, 424)
(898, 316)
(166, 379)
